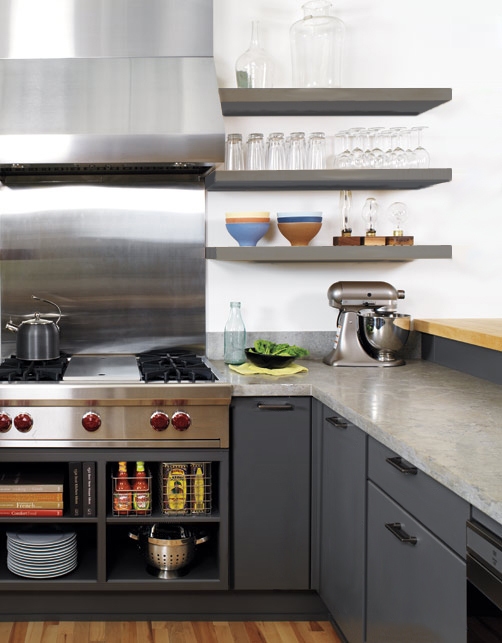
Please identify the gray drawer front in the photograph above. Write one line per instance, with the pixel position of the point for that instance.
(415, 592)
(438, 508)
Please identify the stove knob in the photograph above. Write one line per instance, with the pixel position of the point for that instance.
(181, 420)
(91, 421)
(5, 422)
(23, 422)
(159, 421)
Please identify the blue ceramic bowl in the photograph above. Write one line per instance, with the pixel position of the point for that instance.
(247, 234)
(305, 219)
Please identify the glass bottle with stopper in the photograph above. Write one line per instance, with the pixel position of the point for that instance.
(369, 214)
(345, 205)
(397, 213)
(254, 68)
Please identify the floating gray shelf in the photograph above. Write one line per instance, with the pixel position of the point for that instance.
(330, 102)
(227, 181)
(328, 253)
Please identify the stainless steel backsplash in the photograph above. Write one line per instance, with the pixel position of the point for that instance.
(125, 264)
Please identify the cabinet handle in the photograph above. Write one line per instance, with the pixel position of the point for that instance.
(395, 529)
(402, 466)
(275, 407)
(338, 422)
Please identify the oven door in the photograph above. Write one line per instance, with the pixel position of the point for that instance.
(484, 585)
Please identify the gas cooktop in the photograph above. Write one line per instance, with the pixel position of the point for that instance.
(162, 366)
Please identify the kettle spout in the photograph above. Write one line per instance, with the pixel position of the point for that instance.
(10, 326)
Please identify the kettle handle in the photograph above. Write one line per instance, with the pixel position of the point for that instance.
(49, 302)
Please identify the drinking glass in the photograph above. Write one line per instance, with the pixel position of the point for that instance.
(369, 159)
(316, 151)
(234, 154)
(421, 154)
(296, 154)
(255, 152)
(275, 156)
(389, 158)
(397, 147)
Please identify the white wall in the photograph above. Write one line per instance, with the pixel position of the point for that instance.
(390, 43)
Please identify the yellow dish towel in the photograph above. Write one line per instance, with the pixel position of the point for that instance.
(250, 369)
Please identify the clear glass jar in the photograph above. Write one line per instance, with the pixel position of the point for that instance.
(234, 336)
(254, 68)
(317, 46)
(234, 152)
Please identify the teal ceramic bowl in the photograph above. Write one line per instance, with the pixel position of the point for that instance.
(247, 234)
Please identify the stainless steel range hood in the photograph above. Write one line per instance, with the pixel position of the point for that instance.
(119, 81)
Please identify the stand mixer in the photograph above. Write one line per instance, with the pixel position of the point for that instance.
(369, 330)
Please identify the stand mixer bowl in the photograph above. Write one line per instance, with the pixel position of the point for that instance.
(384, 333)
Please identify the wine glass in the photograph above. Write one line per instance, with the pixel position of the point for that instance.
(369, 158)
(342, 160)
(376, 149)
(421, 154)
(397, 213)
(356, 151)
(400, 155)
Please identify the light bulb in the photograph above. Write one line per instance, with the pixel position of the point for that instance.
(398, 213)
(369, 214)
(345, 203)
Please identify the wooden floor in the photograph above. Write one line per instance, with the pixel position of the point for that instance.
(168, 632)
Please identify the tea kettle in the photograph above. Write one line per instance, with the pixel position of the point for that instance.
(37, 338)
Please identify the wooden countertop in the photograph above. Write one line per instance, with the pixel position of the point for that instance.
(480, 332)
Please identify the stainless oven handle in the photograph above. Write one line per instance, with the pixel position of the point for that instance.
(483, 579)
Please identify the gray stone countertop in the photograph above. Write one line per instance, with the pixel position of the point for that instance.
(445, 422)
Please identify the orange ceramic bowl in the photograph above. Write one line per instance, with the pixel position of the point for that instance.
(299, 234)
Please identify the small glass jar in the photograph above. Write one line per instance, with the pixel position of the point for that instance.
(234, 336)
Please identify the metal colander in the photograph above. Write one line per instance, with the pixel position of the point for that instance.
(167, 550)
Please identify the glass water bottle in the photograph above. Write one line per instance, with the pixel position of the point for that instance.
(317, 46)
(234, 338)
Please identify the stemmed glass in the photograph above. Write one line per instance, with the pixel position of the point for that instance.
(356, 151)
(343, 159)
(369, 158)
(389, 159)
(378, 153)
(400, 155)
(421, 154)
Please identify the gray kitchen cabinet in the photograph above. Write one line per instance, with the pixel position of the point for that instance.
(270, 493)
(341, 449)
(416, 576)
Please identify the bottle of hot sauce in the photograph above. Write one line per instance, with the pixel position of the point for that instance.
(140, 490)
(122, 494)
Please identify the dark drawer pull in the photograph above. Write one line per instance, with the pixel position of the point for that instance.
(338, 422)
(275, 407)
(395, 529)
(402, 466)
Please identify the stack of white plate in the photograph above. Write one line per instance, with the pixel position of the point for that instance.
(44, 554)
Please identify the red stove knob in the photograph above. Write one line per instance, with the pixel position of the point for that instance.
(91, 421)
(181, 420)
(5, 422)
(159, 421)
(23, 422)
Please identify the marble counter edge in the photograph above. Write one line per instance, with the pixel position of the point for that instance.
(302, 385)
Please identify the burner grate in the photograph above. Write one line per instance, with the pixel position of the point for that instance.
(174, 366)
(15, 370)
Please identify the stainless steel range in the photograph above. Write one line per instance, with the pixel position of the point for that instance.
(166, 398)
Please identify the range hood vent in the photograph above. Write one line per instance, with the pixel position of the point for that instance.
(121, 81)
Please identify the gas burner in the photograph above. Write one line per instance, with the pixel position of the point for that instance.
(174, 365)
(16, 370)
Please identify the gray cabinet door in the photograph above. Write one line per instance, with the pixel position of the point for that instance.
(415, 592)
(343, 523)
(270, 500)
